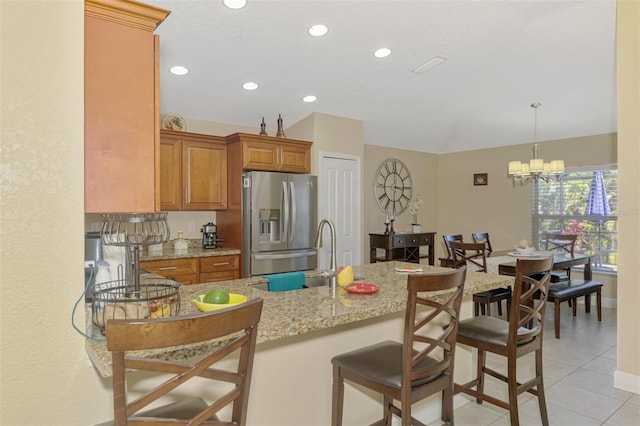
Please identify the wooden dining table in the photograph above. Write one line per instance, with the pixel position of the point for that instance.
(504, 263)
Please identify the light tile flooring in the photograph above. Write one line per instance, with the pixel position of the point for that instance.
(578, 373)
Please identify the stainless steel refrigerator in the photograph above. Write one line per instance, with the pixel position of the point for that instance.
(279, 222)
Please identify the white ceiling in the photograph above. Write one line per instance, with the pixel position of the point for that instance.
(502, 56)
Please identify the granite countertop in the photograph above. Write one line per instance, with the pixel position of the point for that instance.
(292, 313)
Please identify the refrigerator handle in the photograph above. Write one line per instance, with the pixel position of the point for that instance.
(284, 221)
(293, 211)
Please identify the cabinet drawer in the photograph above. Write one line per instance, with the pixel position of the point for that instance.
(426, 239)
(413, 240)
(171, 267)
(208, 277)
(219, 264)
(398, 241)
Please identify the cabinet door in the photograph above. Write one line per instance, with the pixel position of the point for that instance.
(185, 271)
(120, 107)
(219, 268)
(170, 179)
(259, 156)
(204, 176)
(294, 158)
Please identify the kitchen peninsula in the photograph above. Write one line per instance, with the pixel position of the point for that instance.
(301, 330)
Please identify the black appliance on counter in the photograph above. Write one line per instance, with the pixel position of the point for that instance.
(209, 236)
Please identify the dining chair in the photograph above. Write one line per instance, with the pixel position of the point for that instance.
(235, 327)
(420, 366)
(448, 261)
(563, 243)
(482, 237)
(474, 256)
(520, 335)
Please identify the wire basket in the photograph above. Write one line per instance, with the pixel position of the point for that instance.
(119, 299)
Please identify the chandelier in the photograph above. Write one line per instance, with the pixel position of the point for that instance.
(536, 169)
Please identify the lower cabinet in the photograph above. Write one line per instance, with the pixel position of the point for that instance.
(219, 268)
(196, 270)
(185, 271)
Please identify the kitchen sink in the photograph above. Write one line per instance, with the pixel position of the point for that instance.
(308, 283)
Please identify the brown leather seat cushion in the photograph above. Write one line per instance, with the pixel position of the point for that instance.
(381, 363)
(495, 293)
(573, 288)
(491, 330)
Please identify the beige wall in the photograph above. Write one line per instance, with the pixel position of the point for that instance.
(44, 375)
(628, 52)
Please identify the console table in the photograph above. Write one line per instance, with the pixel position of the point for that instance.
(402, 246)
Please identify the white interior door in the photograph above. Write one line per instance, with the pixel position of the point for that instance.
(339, 200)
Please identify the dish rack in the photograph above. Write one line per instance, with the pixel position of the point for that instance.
(119, 299)
(129, 297)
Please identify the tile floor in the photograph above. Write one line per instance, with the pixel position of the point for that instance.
(578, 374)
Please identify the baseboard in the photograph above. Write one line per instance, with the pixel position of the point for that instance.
(626, 382)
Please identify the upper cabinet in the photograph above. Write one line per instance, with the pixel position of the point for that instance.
(121, 106)
(273, 154)
(193, 171)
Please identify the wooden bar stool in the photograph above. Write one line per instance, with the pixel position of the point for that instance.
(519, 336)
(236, 327)
(421, 365)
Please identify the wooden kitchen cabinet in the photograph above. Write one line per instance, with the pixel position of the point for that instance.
(273, 154)
(193, 171)
(185, 271)
(121, 106)
(219, 268)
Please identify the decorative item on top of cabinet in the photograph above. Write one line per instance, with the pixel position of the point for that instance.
(121, 121)
(185, 271)
(193, 171)
(269, 153)
(280, 132)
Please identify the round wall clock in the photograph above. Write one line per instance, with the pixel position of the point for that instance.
(393, 186)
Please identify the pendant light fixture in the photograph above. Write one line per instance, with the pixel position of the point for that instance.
(535, 169)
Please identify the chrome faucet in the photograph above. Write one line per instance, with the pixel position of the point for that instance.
(332, 267)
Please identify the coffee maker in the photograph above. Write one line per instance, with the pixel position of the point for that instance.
(209, 238)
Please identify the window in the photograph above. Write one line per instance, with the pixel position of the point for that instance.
(584, 202)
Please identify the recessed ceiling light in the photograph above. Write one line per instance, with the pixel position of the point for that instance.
(178, 70)
(250, 85)
(382, 53)
(318, 30)
(309, 98)
(235, 4)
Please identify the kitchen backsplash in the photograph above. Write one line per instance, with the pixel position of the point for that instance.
(189, 223)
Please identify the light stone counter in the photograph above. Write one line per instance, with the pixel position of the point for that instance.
(298, 312)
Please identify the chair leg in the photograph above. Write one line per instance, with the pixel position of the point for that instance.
(488, 305)
(599, 304)
(386, 411)
(476, 309)
(512, 385)
(499, 303)
(447, 404)
(337, 397)
(542, 402)
(480, 376)
(587, 303)
(556, 317)
(574, 307)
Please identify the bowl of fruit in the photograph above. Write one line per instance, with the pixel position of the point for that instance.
(218, 298)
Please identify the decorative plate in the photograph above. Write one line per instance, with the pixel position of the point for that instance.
(362, 288)
(173, 122)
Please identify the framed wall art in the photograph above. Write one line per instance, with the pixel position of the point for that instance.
(480, 179)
